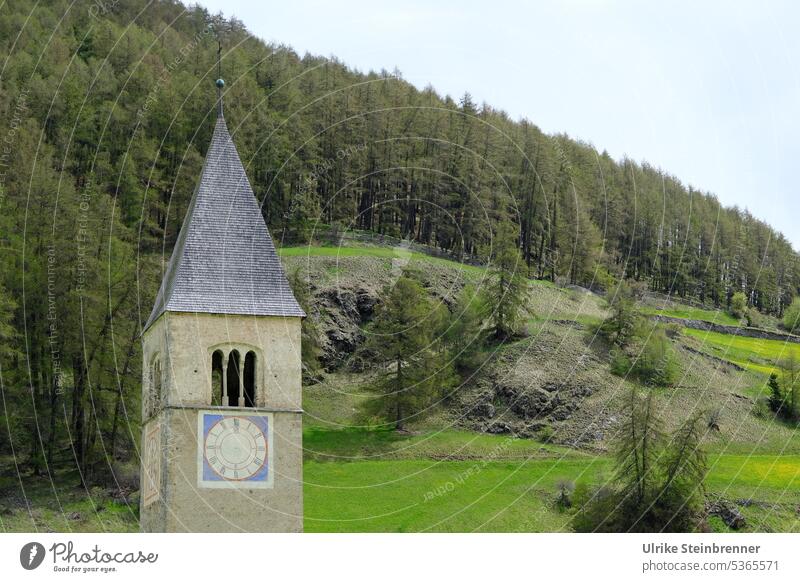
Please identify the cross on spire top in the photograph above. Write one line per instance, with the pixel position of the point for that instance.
(220, 83)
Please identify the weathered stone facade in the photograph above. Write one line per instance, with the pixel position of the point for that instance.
(183, 344)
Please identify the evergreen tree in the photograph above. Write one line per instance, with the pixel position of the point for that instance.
(790, 368)
(658, 479)
(506, 291)
(412, 370)
(465, 334)
(309, 335)
(777, 400)
(621, 325)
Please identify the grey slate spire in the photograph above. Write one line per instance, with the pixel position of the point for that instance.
(224, 260)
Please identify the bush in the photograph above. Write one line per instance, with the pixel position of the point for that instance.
(565, 488)
(648, 360)
(673, 330)
(756, 319)
(738, 305)
(791, 317)
(545, 434)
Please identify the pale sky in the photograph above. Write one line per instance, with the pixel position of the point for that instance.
(708, 91)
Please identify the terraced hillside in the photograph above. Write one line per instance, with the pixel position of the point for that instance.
(541, 411)
(555, 381)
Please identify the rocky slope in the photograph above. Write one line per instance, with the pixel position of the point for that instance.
(554, 385)
(345, 290)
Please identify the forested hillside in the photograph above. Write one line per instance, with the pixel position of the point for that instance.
(107, 110)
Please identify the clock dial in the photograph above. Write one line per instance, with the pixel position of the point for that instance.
(234, 449)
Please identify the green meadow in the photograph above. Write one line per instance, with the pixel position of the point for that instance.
(758, 355)
(503, 487)
(371, 251)
(686, 312)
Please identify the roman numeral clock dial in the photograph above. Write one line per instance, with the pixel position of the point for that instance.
(235, 450)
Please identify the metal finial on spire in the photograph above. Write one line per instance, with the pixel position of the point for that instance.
(220, 81)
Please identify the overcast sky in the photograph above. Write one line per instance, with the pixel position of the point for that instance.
(708, 91)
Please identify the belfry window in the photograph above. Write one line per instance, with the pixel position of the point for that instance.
(216, 377)
(250, 379)
(234, 383)
(233, 378)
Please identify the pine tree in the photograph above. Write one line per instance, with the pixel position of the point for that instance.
(506, 292)
(621, 325)
(309, 341)
(412, 372)
(777, 400)
(790, 368)
(465, 333)
(658, 479)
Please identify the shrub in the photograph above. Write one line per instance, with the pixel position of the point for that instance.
(565, 487)
(648, 360)
(738, 305)
(545, 434)
(673, 330)
(791, 317)
(714, 420)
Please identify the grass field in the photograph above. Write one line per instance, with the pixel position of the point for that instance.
(686, 312)
(758, 355)
(62, 506)
(513, 490)
(369, 251)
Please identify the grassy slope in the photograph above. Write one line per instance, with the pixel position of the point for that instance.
(61, 506)
(370, 251)
(418, 495)
(448, 480)
(686, 312)
(758, 355)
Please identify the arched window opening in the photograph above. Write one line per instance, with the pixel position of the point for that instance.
(234, 381)
(217, 388)
(250, 379)
(233, 378)
(154, 403)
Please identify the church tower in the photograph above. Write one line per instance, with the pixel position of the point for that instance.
(221, 387)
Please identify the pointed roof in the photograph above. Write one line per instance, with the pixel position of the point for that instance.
(224, 260)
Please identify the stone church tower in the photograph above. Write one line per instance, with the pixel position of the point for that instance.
(221, 395)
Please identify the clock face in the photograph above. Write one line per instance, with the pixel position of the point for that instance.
(234, 450)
